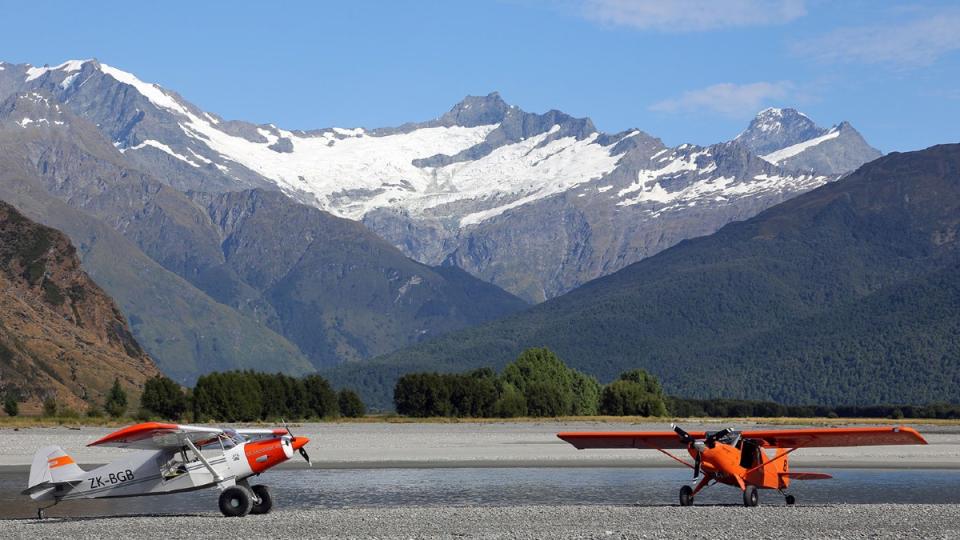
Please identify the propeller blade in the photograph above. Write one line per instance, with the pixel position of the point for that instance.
(696, 466)
(684, 436)
(303, 452)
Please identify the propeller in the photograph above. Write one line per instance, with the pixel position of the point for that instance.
(303, 450)
(708, 442)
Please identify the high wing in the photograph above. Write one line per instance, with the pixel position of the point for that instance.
(774, 438)
(826, 437)
(255, 434)
(158, 436)
(627, 439)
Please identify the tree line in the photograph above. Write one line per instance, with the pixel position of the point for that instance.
(537, 384)
(232, 396)
(245, 396)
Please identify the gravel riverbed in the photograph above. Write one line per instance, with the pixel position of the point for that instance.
(839, 521)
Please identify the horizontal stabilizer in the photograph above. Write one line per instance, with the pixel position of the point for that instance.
(806, 475)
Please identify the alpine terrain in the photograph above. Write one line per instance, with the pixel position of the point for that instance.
(848, 294)
(534, 203)
(213, 281)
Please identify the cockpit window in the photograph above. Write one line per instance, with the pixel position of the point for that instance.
(731, 438)
(231, 438)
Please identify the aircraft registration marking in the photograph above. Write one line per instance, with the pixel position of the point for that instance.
(111, 479)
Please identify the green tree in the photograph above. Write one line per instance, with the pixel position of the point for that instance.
(549, 387)
(545, 398)
(10, 405)
(422, 395)
(636, 393)
(163, 397)
(511, 402)
(351, 406)
(473, 394)
(321, 399)
(586, 394)
(116, 403)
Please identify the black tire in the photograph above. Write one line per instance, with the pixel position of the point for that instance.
(750, 496)
(261, 492)
(791, 500)
(686, 496)
(236, 501)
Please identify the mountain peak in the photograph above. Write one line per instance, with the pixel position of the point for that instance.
(774, 128)
(474, 111)
(67, 67)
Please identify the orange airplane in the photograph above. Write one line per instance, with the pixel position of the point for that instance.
(738, 458)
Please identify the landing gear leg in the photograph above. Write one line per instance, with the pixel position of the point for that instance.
(42, 511)
(687, 494)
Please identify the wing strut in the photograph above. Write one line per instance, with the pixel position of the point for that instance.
(673, 457)
(203, 460)
(778, 457)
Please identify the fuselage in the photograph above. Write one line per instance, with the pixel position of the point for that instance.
(743, 465)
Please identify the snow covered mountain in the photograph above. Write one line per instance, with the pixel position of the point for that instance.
(535, 203)
(789, 138)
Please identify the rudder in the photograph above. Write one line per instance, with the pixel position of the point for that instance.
(51, 466)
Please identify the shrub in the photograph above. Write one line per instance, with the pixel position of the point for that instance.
(10, 406)
(116, 403)
(50, 406)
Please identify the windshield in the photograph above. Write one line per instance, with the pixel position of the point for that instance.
(231, 438)
(731, 438)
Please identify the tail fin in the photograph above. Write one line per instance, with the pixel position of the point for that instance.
(51, 466)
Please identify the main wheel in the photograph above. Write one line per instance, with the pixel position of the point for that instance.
(750, 496)
(261, 492)
(791, 500)
(686, 496)
(236, 501)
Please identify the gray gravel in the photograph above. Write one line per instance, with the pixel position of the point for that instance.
(842, 521)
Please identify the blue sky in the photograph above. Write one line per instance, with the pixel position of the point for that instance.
(685, 71)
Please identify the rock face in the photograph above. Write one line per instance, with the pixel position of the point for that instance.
(534, 203)
(61, 336)
(240, 280)
(338, 291)
(790, 139)
(847, 294)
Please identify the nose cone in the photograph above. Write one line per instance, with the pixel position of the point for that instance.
(299, 442)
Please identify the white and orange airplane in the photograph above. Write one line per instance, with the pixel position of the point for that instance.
(172, 461)
(738, 459)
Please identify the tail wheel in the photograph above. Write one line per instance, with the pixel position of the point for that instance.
(236, 501)
(791, 500)
(262, 493)
(750, 496)
(686, 496)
